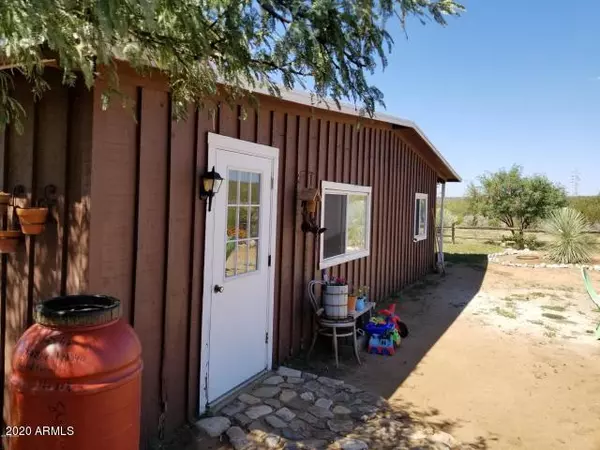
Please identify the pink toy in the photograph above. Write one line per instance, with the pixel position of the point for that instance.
(391, 313)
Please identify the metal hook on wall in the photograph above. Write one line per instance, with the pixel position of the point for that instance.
(17, 192)
(308, 178)
(50, 196)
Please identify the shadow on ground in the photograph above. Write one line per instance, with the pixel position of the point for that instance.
(428, 307)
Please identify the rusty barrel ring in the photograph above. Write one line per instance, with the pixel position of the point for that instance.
(78, 310)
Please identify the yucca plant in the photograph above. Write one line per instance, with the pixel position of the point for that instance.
(569, 244)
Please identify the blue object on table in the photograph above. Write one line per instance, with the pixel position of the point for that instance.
(360, 304)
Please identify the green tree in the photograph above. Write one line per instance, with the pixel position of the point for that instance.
(199, 44)
(588, 206)
(514, 199)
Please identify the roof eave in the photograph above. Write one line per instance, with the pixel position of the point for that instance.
(304, 98)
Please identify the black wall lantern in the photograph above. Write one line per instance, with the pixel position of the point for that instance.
(210, 185)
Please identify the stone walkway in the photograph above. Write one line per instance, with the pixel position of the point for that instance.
(294, 410)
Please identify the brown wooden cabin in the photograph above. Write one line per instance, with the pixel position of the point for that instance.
(129, 222)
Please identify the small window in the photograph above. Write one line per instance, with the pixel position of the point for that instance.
(420, 217)
(346, 215)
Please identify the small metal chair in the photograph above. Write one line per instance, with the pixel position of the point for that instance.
(332, 328)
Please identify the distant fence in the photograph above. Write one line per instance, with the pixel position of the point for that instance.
(453, 228)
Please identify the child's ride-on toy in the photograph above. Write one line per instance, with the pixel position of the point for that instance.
(381, 346)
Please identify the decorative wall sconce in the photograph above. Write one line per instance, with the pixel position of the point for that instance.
(310, 199)
(210, 183)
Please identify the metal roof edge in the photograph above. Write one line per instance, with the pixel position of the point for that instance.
(305, 98)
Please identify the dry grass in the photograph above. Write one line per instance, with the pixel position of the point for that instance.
(504, 312)
(554, 308)
(554, 316)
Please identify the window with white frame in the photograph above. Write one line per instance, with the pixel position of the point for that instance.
(346, 215)
(420, 217)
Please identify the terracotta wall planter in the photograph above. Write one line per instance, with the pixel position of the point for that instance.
(32, 220)
(4, 202)
(9, 241)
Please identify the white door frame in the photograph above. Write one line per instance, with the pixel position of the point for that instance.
(218, 142)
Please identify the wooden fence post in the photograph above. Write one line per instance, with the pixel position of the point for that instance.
(453, 233)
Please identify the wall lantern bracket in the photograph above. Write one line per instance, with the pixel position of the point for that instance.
(210, 183)
(309, 198)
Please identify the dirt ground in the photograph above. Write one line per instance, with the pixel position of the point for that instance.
(538, 257)
(500, 357)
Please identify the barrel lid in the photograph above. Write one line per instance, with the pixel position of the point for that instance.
(78, 310)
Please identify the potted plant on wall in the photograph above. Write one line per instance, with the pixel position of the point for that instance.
(4, 202)
(32, 219)
(9, 239)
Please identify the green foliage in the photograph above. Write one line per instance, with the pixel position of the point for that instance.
(514, 199)
(569, 242)
(472, 247)
(522, 241)
(229, 248)
(588, 206)
(449, 218)
(197, 44)
(357, 219)
(458, 205)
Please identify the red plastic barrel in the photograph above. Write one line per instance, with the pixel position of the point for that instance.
(76, 379)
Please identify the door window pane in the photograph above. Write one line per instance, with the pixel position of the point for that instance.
(230, 258)
(253, 255)
(232, 187)
(254, 219)
(242, 243)
(242, 260)
(232, 228)
(243, 233)
(245, 188)
(255, 189)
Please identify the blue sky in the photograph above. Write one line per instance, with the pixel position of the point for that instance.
(511, 81)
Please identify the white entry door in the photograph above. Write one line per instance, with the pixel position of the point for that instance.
(238, 294)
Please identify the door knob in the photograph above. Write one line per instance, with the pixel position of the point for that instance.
(219, 289)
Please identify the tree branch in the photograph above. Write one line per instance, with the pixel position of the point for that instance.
(278, 67)
(274, 13)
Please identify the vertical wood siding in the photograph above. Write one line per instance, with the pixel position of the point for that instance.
(129, 222)
(53, 148)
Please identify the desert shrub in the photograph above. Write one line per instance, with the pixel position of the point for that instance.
(458, 206)
(588, 206)
(449, 218)
(494, 223)
(569, 243)
(521, 241)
